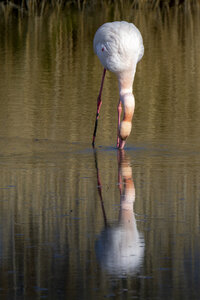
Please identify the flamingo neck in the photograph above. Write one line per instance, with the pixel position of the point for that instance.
(127, 99)
(125, 80)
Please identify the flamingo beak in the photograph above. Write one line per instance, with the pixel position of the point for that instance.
(121, 144)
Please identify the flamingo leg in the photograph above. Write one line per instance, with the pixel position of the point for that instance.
(99, 102)
(119, 109)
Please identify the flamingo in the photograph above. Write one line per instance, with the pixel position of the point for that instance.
(119, 47)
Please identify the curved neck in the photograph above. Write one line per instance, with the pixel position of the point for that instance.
(125, 80)
(128, 102)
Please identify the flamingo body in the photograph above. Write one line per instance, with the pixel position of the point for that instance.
(119, 47)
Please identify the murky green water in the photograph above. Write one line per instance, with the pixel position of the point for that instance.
(82, 224)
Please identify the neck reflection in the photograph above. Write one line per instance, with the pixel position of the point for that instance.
(120, 247)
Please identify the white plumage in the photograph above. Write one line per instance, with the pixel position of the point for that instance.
(119, 46)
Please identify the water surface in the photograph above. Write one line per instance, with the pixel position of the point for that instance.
(78, 223)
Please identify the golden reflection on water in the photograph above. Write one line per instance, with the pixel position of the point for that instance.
(49, 205)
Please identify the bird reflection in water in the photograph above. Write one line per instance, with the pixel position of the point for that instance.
(120, 247)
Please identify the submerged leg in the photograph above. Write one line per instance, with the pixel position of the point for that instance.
(119, 109)
(99, 102)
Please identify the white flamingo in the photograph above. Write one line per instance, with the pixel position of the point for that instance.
(119, 46)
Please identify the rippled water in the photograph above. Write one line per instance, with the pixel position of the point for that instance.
(78, 223)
